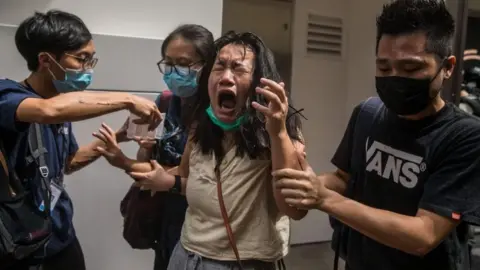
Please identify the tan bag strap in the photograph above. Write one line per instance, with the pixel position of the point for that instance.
(3, 163)
(226, 221)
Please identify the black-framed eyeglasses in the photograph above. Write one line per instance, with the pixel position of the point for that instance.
(167, 68)
(87, 62)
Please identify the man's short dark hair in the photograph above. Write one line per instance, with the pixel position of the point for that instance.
(55, 32)
(403, 17)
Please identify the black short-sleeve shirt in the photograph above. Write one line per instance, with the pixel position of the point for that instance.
(432, 164)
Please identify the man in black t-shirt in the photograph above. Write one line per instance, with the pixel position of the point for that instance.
(418, 185)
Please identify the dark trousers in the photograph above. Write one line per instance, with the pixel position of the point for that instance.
(161, 261)
(71, 258)
(173, 216)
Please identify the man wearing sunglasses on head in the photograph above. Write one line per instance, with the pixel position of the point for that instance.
(60, 54)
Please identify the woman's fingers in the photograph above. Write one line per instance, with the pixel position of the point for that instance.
(100, 137)
(277, 88)
(108, 129)
(110, 139)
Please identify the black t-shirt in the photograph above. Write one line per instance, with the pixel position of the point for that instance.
(432, 164)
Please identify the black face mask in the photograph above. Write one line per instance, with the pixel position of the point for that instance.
(404, 96)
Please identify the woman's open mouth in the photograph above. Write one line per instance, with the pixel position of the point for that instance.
(227, 101)
(226, 107)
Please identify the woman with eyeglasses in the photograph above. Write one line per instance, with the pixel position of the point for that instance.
(184, 52)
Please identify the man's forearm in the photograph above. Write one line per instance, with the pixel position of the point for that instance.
(405, 233)
(284, 155)
(71, 107)
(83, 157)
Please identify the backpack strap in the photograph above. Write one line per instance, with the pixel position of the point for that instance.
(365, 120)
(37, 150)
(38, 155)
(369, 111)
(366, 117)
(5, 185)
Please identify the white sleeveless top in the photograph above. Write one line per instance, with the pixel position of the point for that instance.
(260, 230)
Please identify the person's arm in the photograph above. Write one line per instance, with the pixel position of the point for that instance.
(336, 181)
(71, 107)
(284, 155)
(144, 153)
(83, 156)
(450, 196)
(160, 179)
(118, 159)
(87, 154)
(416, 235)
(132, 165)
(77, 106)
(80, 157)
(283, 152)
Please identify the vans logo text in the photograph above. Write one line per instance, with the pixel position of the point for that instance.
(401, 167)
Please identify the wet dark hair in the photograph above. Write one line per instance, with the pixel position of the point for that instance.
(200, 37)
(252, 137)
(403, 17)
(55, 32)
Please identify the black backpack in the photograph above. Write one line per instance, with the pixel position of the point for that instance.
(369, 111)
(24, 229)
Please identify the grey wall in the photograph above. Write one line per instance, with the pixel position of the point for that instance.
(125, 63)
(96, 192)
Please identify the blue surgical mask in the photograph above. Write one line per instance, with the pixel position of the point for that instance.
(75, 80)
(225, 126)
(182, 84)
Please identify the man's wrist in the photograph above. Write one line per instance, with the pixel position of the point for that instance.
(329, 202)
(128, 101)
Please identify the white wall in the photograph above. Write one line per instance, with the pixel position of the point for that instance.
(360, 51)
(329, 89)
(98, 189)
(474, 5)
(266, 17)
(139, 18)
(318, 85)
(270, 20)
